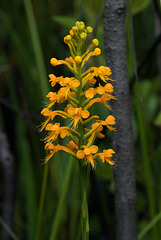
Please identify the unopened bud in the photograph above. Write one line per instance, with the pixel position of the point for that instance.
(95, 42)
(71, 33)
(78, 59)
(97, 51)
(83, 35)
(67, 38)
(89, 29)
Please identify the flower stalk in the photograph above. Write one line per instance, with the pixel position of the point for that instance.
(80, 91)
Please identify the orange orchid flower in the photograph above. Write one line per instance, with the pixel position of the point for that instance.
(87, 153)
(106, 156)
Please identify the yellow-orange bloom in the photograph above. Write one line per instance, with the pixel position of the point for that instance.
(61, 96)
(54, 79)
(69, 83)
(53, 149)
(47, 113)
(70, 60)
(77, 114)
(88, 154)
(102, 71)
(108, 88)
(72, 146)
(97, 131)
(106, 156)
(110, 120)
(50, 114)
(90, 92)
(102, 100)
(55, 130)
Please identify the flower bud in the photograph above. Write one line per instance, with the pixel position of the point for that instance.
(89, 29)
(97, 51)
(83, 35)
(54, 61)
(95, 42)
(67, 39)
(74, 28)
(71, 32)
(78, 59)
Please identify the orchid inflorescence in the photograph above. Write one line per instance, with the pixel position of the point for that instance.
(80, 93)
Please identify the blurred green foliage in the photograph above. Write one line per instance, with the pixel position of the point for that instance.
(27, 42)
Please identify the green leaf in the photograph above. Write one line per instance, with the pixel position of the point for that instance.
(66, 21)
(157, 121)
(138, 6)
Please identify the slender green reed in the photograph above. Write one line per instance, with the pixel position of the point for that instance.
(37, 47)
(44, 88)
(149, 226)
(146, 161)
(41, 206)
(26, 166)
(10, 232)
(60, 207)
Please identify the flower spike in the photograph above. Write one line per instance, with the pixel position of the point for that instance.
(79, 93)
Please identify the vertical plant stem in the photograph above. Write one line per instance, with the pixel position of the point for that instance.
(44, 89)
(42, 199)
(37, 47)
(8, 230)
(84, 207)
(146, 161)
(60, 208)
(83, 172)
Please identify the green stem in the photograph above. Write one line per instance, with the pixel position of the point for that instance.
(149, 226)
(84, 216)
(10, 232)
(146, 161)
(42, 199)
(60, 208)
(37, 47)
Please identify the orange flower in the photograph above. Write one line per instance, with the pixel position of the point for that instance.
(102, 100)
(70, 60)
(69, 83)
(90, 93)
(87, 153)
(52, 150)
(77, 113)
(72, 146)
(98, 130)
(102, 71)
(50, 114)
(47, 113)
(91, 81)
(55, 130)
(52, 97)
(110, 120)
(106, 155)
(54, 79)
(108, 88)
